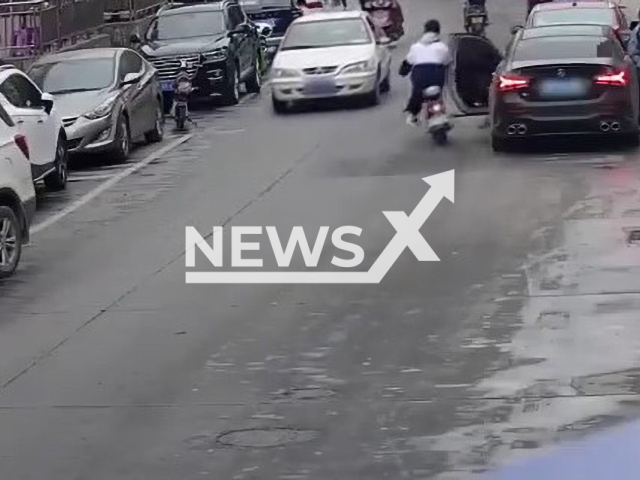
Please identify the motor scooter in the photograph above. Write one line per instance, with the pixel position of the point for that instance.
(386, 15)
(181, 92)
(435, 115)
(476, 19)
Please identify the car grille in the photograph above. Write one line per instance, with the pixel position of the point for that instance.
(168, 66)
(319, 70)
(68, 121)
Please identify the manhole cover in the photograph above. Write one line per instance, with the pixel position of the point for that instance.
(265, 438)
(634, 236)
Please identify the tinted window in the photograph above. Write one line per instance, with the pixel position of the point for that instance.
(566, 47)
(129, 63)
(186, 25)
(327, 34)
(593, 16)
(74, 75)
(20, 92)
(236, 17)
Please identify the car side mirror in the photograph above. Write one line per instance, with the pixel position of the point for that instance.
(135, 39)
(384, 41)
(515, 29)
(131, 78)
(47, 102)
(633, 25)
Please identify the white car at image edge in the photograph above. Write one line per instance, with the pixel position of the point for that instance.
(37, 118)
(17, 194)
(330, 55)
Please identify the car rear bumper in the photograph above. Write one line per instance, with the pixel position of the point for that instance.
(590, 117)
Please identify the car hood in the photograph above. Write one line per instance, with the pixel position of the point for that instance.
(318, 57)
(184, 46)
(77, 103)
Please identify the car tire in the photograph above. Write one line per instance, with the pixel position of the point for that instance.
(10, 241)
(157, 134)
(254, 83)
(385, 86)
(372, 99)
(57, 180)
(122, 140)
(279, 107)
(231, 93)
(501, 145)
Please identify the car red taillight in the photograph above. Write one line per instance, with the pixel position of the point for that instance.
(614, 78)
(21, 142)
(508, 82)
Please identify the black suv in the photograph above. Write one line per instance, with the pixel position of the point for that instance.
(276, 14)
(220, 44)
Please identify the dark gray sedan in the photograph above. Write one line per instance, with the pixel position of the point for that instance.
(107, 97)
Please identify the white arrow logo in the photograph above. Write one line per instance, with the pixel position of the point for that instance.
(407, 236)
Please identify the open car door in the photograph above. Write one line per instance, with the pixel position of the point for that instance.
(475, 59)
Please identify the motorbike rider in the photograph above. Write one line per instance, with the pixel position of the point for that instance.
(427, 63)
(181, 85)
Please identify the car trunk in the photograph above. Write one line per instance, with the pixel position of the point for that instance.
(470, 75)
(562, 81)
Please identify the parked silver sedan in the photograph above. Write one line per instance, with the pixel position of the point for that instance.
(107, 97)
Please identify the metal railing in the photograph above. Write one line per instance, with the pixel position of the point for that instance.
(30, 28)
(129, 10)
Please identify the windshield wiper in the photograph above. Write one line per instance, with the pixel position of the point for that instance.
(74, 90)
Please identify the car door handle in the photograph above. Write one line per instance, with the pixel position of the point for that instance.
(20, 121)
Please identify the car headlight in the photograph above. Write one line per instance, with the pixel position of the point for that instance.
(368, 66)
(215, 55)
(102, 110)
(285, 73)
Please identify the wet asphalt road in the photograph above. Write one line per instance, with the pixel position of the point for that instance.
(524, 334)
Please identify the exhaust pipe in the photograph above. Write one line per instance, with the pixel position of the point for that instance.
(522, 129)
(604, 126)
(615, 126)
(512, 130)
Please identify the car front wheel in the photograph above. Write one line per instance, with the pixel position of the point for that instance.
(57, 180)
(157, 134)
(10, 242)
(122, 145)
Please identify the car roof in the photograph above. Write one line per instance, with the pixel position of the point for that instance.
(567, 31)
(573, 5)
(86, 53)
(327, 16)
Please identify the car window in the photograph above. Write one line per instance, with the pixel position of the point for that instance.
(236, 17)
(592, 16)
(566, 47)
(186, 25)
(74, 75)
(20, 92)
(130, 62)
(327, 33)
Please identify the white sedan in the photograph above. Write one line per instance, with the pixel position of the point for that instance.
(328, 55)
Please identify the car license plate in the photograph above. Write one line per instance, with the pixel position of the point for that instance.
(166, 85)
(477, 20)
(320, 86)
(562, 88)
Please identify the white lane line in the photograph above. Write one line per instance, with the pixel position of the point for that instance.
(107, 185)
(82, 178)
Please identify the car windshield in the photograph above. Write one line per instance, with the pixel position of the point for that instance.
(322, 34)
(74, 75)
(592, 16)
(187, 25)
(566, 47)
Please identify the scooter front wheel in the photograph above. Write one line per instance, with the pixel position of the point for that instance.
(440, 137)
